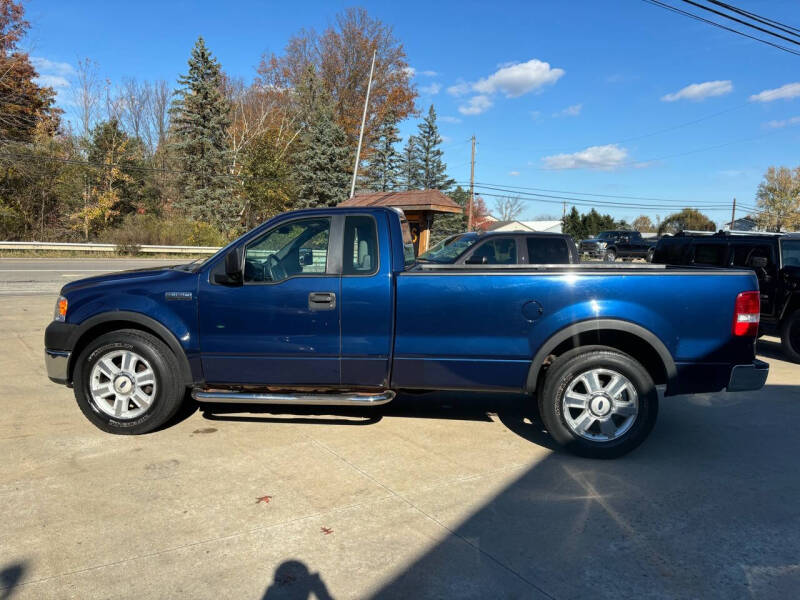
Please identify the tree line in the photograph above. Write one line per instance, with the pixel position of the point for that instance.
(141, 162)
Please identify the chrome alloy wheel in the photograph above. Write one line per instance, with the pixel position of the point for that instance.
(122, 384)
(600, 405)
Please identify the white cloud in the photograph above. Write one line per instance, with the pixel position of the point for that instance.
(700, 91)
(447, 119)
(459, 89)
(783, 123)
(604, 158)
(410, 71)
(53, 81)
(785, 92)
(432, 89)
(514, 173)
(52, 67)
(570, 111)
(514, 80)
(429, 73)
(536, 115)
(476, 105)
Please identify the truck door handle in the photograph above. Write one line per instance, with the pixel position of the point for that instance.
(321, 301)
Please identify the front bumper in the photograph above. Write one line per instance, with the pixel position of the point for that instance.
(58, 343)
(57, 363)
(750, 377)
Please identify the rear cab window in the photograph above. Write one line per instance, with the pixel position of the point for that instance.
(547, 251)
(711, 253)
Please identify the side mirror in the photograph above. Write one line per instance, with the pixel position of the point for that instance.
(476, 260)
(758, 262)
(233, 269)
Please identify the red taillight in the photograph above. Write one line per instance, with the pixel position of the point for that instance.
(746, 314)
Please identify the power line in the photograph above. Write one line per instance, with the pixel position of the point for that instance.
(715, 24)
(740, 21)
(758, 18)
(574, 193)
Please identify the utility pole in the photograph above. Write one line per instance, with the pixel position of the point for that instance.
(363, 121)
(471, 186)
(563, 212)
(733, 213)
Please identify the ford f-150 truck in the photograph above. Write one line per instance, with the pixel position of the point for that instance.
(330, 307)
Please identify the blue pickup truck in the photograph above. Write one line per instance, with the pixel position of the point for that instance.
(330, 307)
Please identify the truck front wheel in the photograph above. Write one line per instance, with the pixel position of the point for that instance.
(600, 403)
(125, 382)
(790, 336)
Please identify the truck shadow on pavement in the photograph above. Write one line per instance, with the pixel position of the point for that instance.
(703, 509)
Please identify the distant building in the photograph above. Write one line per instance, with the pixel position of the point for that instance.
(419, 207)
(542, 226)
(744, 224)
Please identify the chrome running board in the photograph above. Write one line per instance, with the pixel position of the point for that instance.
(301, 398)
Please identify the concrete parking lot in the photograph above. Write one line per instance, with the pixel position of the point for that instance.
(431, 496)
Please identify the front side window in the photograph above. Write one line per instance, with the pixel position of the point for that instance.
(743, 254)
(791, 253)
(360, 246)
(498, 251)
(295, 248)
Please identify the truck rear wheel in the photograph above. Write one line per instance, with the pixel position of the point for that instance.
(790, 336)
(125, 382)
(600, 403)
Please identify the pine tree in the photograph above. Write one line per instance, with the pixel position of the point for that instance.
(200, 116)
(408, 165)
(433, 170)
(383, 171)
(445, 225)
(323, 166)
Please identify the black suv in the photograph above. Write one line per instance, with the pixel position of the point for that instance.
(503, 248)
(775, 258)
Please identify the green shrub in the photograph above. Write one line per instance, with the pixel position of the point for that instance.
(204, 234)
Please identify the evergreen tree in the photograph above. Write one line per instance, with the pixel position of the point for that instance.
(322, 169)
(383, 171)
(408, 165)
(200, 116)
(445, 225)
(433, 171)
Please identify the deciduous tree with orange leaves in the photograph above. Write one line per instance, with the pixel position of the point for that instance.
(341, 57)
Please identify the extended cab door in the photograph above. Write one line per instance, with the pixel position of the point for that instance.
(281, 327)
(367, 300)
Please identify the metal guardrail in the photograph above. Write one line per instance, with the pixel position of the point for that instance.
(91, 247)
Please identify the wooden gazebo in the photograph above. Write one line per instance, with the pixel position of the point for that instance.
(419, 207)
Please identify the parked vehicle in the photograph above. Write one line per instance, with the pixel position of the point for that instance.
(775, 259)
(611, 245)
(364, 320)
(503, 248)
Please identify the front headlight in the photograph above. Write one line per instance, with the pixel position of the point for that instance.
(60, 312)
(602, 244)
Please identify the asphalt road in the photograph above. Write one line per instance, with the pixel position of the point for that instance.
(45, 276)
(431, 496)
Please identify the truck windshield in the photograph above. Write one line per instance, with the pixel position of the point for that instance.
(449, 249)
(791, 253)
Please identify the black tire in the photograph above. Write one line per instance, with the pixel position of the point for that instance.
(168, 393)
(790, 336)
(611, 256)
(569, 368)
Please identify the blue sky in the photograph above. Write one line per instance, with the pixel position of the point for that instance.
(569, 96)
